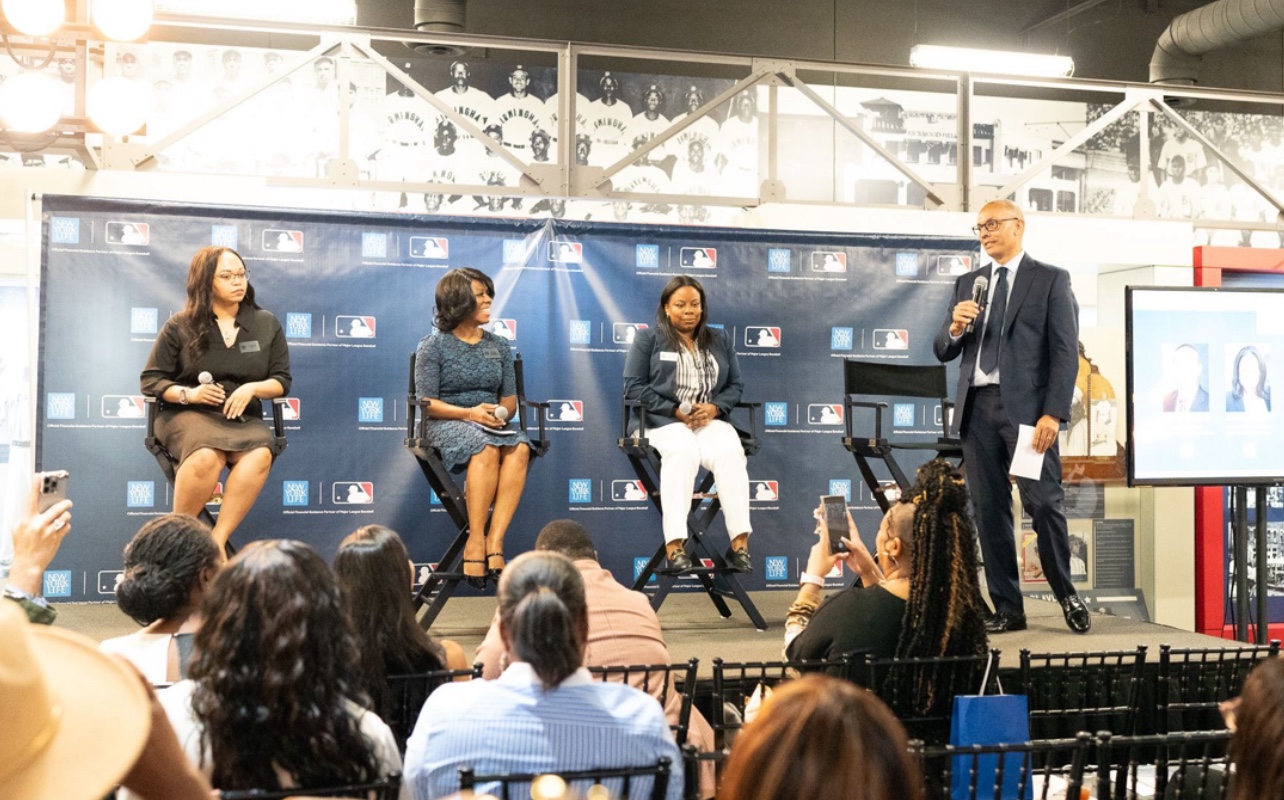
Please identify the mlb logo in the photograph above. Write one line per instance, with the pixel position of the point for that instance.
(514, 251)
(57, 583)
(936, 415)
(216, 497)
(423, 571)
(352, 493)
(775, 414)
(762, 336)
(828, 261)
(60, 405)
(123, 406)
(566, 252)
(143, 320)
(842, 486)
(699, 257)
(294, 493)
(64, 230)
(825, 414)
(841, 338)
(953, 266)
(903, 415)
(223, 236)
(351, 327)
(369, 409)
(648, 256)
(626, 332)
(429, 247)
(374, 245)
(776, 568)
(907, 265)
(128, 233)
(581, 331)
(566, 410)
(283, 241)
(298, 326)
(627, 491)
(504, 328)
(140, 494)
(579, 490)
(639, 564)
(109, 580)
(764, 491)
(891, 339)
(289, 410)
(779, 259)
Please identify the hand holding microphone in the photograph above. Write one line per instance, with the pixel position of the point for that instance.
(208, 392)
(501, 414)
(967, 312)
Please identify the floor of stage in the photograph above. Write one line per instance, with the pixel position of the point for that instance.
(693, 628)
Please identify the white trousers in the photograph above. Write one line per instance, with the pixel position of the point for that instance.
(716, 447)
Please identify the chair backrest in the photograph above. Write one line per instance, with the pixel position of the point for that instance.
(1192, 682)
(1072, 692)
(660, 681)
(739, 686)
(407, 694)
(387, 789)
(895, 380)
(1044, 769)
(619, 781)
(1184, 766)
(894, 681)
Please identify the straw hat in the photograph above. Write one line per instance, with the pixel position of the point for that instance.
(74, 719)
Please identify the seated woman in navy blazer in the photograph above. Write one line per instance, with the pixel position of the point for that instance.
(686, 376)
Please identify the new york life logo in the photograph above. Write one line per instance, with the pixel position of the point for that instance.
(294, 493)
(354, 327)
(580, 331)
(144, 320)
(298, 325)
(374, 245)
(841, 486)
(647, 256)
(903, 415)
(628, 491)
(224, 236)
(776, 568)
(841, 338)
(429, 247)
(762, 336)
(60, 405)
(775, 415)
(579, 490)
(369, 409)
(565, 410)
(639, 564)
(352, 493)
(140, 494)
(907, 265)
(56, 583)
(515, 251)
(825, 414)
(779, 259)
(64, 230)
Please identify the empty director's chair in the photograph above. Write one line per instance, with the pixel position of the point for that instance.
(879, 379)
(445, 579)
(169, 464)
(646, 464)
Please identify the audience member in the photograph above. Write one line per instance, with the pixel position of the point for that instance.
(623, 630)
(36, 539)
(1257, 718)
(169, 564)
(545, 713)
(270, 704)
(821, 738)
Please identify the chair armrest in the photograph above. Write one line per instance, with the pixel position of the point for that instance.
(850, 403)
(632, 407)
(416, 416)
(947, 414)
(748, 438)
(539, 445)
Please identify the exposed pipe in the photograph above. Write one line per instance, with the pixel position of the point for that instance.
(439, 16)
(1212, 27)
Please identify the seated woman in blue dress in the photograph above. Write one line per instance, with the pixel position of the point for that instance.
(467, 373)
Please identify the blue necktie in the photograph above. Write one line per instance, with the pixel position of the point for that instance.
(994, 324)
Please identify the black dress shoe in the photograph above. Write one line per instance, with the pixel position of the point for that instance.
(678, 562)
(1076, 614)
(1005, 621)
(739, 560)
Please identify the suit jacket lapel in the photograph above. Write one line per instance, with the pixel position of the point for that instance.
(1025, 278)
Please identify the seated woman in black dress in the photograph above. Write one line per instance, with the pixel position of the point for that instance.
(467, 372)
(680, 364)
(223, 336)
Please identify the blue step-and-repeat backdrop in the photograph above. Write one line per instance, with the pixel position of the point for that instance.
(355, 294)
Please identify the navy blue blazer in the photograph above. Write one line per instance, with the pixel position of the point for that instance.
(1039, 360)
(650, 375)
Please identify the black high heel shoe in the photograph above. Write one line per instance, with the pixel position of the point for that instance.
(491, 571)
(476, 581)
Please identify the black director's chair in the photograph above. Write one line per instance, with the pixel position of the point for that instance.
(893, 380)
(646, 464)
(169, 463)
(445, 579)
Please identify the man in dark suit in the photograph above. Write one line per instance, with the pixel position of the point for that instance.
(1018, 368)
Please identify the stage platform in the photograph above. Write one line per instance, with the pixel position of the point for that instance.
(693, 628)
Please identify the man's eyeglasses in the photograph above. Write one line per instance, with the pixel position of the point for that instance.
(990, 225)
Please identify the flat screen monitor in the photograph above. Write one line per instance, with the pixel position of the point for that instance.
(1202, 363)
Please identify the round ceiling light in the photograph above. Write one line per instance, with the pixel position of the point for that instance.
(35, 17)
(123, 20)
(118, 105)
(30, 102)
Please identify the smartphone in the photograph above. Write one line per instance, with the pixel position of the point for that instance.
(53, 488)
(835, 521)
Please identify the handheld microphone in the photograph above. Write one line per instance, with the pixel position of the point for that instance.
(204, 378)
(979, 289)
(501, 413)
(686, 407)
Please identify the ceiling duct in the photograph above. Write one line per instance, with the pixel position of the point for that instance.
(439, 16)
(1213, 27)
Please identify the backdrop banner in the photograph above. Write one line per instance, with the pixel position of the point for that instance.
(354, 293)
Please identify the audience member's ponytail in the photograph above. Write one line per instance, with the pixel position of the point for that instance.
(542, 609)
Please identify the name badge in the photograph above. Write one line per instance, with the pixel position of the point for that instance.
(666, 355)
(491, 353)
(251, 346)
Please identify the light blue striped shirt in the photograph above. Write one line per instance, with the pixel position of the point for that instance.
(514, 725)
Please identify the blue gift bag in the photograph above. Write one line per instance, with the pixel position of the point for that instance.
(989, 719)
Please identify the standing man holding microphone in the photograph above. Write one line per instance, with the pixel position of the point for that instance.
(1015, 324)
